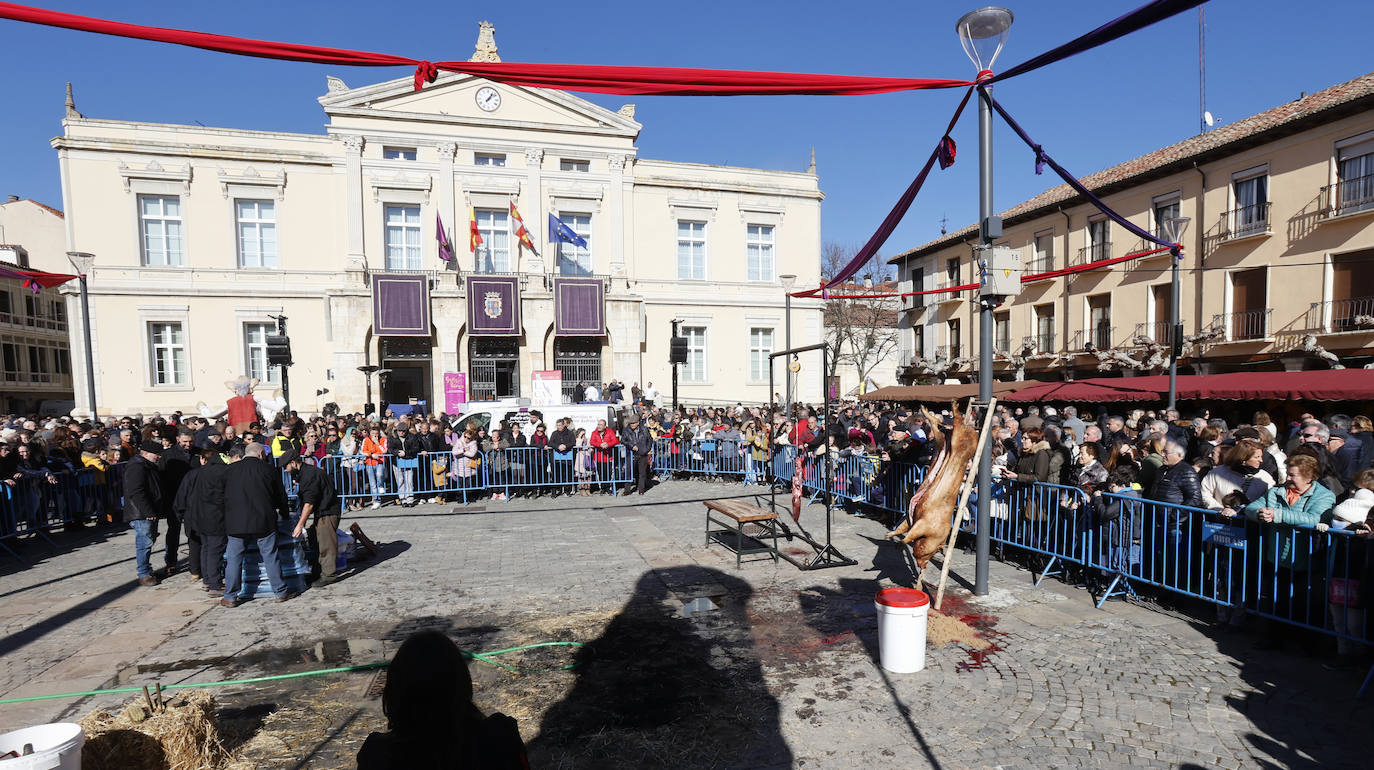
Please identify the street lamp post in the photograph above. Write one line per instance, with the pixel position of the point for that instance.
(82, 262)
(1174, 228)
(983, 33)
(788, 281)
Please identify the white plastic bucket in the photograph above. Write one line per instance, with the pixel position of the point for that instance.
(56, 746)
(902, 629)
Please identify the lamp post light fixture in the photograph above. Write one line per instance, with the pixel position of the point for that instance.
(788, 281)
(983, 33)
(1174, 227)
(82, 262)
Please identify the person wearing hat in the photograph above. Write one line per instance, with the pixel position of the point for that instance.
(1344, 458)
(316, 495)
(254, 499)
(144, 505)
(637, 438)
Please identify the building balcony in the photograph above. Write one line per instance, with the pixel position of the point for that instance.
(1244, 222)
(38, 323)
(948, 296)
(1348, 196)
(1039, 343)
(40, 380)
(1041, 264)
(1162, 332)
(1355, 314)
(1097, 252)
(1100, 337)
(1243, 325)
(1001, 346)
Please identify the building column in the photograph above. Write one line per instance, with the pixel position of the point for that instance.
(532, 208)
(353, 171)
(446, 207)
(616, 205)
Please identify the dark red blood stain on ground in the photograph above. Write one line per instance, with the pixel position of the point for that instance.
(983, 623)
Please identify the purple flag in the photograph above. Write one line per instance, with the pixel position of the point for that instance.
(445, 248)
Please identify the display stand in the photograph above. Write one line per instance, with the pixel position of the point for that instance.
(827, 555)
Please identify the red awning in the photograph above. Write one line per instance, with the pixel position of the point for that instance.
(1087, 391)
(1319, 385)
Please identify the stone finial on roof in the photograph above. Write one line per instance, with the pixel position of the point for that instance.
(71, 104)
(811, 169)
(486, 43)
(628, 111)
(335, 84)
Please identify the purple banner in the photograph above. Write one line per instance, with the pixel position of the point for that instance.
(400, 305)
(493, 305)
(579, 307)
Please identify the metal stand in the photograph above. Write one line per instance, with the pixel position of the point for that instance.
(827, 555)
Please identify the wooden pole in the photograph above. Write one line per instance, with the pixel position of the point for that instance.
(963, 502)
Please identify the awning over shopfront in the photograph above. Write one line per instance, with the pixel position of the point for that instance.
(1321, 385)
(931, 394)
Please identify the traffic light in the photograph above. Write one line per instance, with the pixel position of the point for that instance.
(677, 354)
(278, 350)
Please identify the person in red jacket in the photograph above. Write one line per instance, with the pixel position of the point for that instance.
(604, 441)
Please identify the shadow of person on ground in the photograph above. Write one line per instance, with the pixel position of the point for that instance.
(659, 689)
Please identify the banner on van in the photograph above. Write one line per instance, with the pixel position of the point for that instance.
(579, 307)
(547, 386)
(493, 305)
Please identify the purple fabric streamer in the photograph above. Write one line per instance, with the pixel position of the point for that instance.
(1121, 26)
(1043, 158)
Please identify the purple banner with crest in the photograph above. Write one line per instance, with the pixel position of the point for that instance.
(400, 305)
(579, 307)
(493, 305)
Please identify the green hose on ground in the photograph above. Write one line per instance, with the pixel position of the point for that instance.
(485, 657)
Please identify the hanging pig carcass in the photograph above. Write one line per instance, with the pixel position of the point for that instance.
(930, 514)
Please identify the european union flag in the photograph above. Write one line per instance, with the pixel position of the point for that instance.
(561, 233)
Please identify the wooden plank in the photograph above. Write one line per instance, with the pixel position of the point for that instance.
(963, 501)
(740, 511)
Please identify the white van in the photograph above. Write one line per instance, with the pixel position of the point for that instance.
(490, 414)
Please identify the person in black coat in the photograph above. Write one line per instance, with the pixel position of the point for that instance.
(175, 462)
(561, 443)
(254, 501)
(316, 495)
(207, 515)
(144, 505)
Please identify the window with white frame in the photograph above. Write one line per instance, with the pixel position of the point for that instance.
(1042, 259)
(1099, 241)
(167, 353)
(695, 368)
(493, 256)
(402, 226)
(1355, 175)
(1163, 209)
(691, 250)
(568, 164)
(159, 219)
(489, 159)
(1252, 202)
(760, 346)
(574, 259)
(399, 153)
(62, 361)
(758, 244)
(257, 232)
(255, 352)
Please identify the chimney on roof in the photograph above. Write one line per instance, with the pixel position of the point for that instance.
(12, 199)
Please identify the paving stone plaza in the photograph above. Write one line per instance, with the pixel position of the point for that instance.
(779, 669)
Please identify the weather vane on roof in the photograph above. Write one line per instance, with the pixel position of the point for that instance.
(944, 220)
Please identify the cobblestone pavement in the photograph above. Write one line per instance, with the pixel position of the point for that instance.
(787, 663)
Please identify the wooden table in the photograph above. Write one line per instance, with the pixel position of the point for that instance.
(733, 515)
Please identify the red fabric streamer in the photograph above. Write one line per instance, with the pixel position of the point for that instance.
(35, 280)
(675, 81)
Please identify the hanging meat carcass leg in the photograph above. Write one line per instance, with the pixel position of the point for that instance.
(932, 509)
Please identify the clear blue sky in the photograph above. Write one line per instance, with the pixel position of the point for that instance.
(1091, 111)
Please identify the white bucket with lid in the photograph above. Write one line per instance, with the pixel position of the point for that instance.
(902, 616)
(56, 746)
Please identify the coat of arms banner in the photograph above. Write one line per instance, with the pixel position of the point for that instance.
(580, 307)
(493, 305)
(400, 305)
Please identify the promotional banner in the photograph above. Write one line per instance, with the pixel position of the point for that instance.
(493, 305)
(455, 391)
(547, 386)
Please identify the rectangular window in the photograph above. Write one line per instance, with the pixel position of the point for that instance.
(566, 164)
(1249, 304)
(493, 256)
(956, 347)
(920, 341)
(1043, 259)
(255, 352)
(695, 368)
(574, 259)
(159, 218)
(758, 240)
(1100, 321)
(398, 153)
(691, 250)
(918, 283)
(38, 360)
(1252, 205)
(167, 353)
(489, 159)
(1352, 290)
(6, 306)
(1165, 208)
(11, 354)
(62, 360)
(257, 233)
(1001, 332)
(1044, 328)
(952, 277)
(1355, 177)
(760, 345)
(1099, 242)
(402, 237)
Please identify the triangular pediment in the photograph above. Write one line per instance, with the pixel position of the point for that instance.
(453, 99)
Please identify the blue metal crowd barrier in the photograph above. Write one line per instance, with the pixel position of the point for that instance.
(705, 457)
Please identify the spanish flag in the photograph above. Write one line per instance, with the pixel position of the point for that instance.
(521, 232)
(475, 236)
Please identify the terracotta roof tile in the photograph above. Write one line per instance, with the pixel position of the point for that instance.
(1193, 147)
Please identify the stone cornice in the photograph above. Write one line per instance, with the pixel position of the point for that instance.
(215, 152)
(485, 122)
